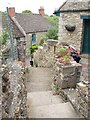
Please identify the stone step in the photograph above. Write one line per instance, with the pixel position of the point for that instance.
(36, 87)
(42, 98)
(61, 110)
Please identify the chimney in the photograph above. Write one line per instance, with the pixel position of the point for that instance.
(41, 11)
(11, 11)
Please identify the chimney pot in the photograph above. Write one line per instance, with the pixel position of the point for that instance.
(11, 11)
(41, 11)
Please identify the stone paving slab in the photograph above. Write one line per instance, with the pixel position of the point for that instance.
(61, 110)
(43, 98)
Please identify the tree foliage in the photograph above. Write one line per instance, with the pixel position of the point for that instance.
(4, 37)
(54, 20)
(52, 34)
(27, 11)
(3, 13)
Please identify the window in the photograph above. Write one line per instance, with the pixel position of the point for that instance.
(33, 39)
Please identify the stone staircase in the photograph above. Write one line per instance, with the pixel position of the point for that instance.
(41, 103)
(46, 105)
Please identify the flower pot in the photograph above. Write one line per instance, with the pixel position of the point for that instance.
(66, 63)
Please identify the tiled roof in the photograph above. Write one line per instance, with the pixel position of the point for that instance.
(29, 23)
(16, 31)
(75, 5)
(32, 22)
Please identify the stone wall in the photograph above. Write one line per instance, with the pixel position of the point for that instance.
(44, 56)
(14, 92)
(39, 35)
(69, 18)
(83, 88)
(67, 76)
(0, 90)
(82, 99)
(85, 74)
(75, 38)
(72, 82)
(21, 50)
(5, 91)
(0, 28)
(68, 82)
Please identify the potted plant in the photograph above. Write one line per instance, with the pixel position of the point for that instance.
(66, 59)
(61, 52)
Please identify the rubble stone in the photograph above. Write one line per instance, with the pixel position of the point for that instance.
(82, 98)
(44, 56)
(14, 92)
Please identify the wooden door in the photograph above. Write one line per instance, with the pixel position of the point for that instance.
(86, 37)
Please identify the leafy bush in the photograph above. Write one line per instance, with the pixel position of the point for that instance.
(27, 11)
(54, 20)
(4, 37)
(45, 38)
(52, 34)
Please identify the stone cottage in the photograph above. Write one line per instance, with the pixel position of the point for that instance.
(26, 27)
(34, 25)
(74, 23)
(74, 28)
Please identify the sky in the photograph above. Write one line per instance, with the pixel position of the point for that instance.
(33, 5)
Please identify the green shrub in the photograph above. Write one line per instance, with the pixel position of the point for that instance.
(52, 34)
(4, 37)
(33, 48)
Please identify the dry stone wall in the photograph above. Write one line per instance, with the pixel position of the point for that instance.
(83, 88)
(68, 79)
(6, 94)
(14, 92)
(44, 56)
(0, 91)
(82, 99)
(17, 85)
